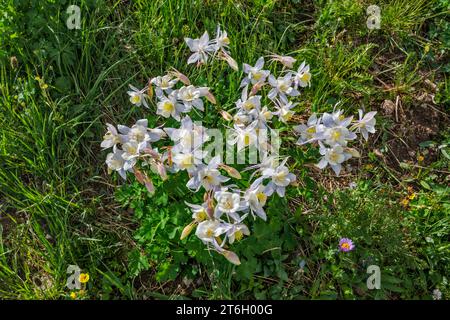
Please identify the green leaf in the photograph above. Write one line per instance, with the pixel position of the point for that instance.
(137, 263)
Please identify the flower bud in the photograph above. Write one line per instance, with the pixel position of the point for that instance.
(232, 257)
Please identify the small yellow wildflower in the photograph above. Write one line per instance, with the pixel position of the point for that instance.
(84, 277)
(420, 158)
(73, 295)
(405, 202)
(412, 196)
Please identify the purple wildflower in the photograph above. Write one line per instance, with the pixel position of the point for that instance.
(346, 245)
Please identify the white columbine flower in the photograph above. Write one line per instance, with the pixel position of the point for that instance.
(338, 136)
(111, 138)
(201, 48)
(256, 198)
(263, 116)
(255, 74)
(311, 131)
(284, 111)
(199, 212)
(282, 87)
(169, 106)
(191, 95)
(228, 203)
(209, 229)
(241, 118)
(281, 178)
(188, 160)
(335, 129)
(334, 157)
(244, 136)
(221, 41)
(164, 83)
(132, 149)
(336, 119)
(267, 162)
(235, 231)
(366, 123)
(246, 103)
(302, 77)
(140, 133)
(188, 137)
(137, 97)
(207, 176)
(115, 162)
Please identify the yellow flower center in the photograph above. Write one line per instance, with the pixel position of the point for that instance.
(283, 87)
(138, 135)
(209, 233)
(208, 178)
(334, 157)
(336, 135)
(257, 76)
(248, 105)
(116, 163)
(189, 96)
(287, 116)
(311, 130)
(238, 235)
(345, 245)
(164, 84)
(187, 139)
(168, 106)
(268, 115)
(107, 136)
(136, 98)
(131, 150)
(261, 197)
(246, 139)
(201, 215)
(187, 161)
(280, 177)
(228, 204)
(305, 77)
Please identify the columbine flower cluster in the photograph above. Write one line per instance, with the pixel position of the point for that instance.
(221, 219)
(333, 132)
(203, 48)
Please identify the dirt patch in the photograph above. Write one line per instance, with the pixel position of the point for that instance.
(413, 124)
(7, 217)
(6, 225)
